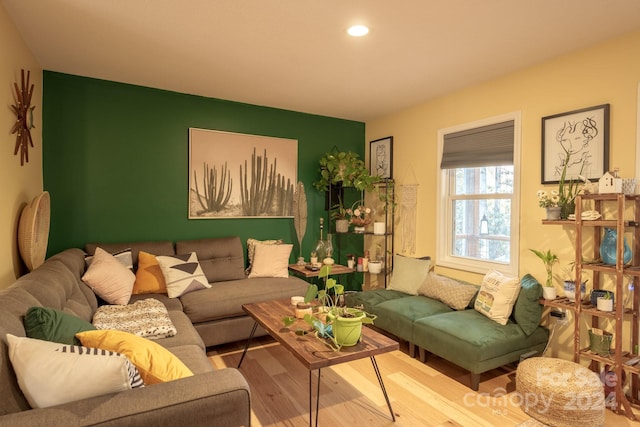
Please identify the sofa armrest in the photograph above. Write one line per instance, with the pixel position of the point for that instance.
(222, 395)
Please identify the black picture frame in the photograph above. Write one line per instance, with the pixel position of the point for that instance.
(381, 157)
(585, 132)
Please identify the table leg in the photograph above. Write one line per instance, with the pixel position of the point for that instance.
(311, 399)
(384, 390)
(246, 346)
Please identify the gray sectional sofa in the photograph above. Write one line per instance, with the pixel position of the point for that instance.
(465, 337)
(202, 318)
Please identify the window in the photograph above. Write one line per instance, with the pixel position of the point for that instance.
(478, 212)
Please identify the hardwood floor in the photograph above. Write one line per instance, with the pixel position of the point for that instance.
(431, 394)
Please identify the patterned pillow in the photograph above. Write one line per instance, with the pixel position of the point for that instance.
(109, 279)
(497, 295)
(147, 318)
(182, 273)
(251, 249)
(449, 291)
(52, 374)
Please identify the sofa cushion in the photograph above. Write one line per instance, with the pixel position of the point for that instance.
(271, 260)
(124, 256)
(527, 312)
(251, 248)
(467, 338)
(221, 258)
(408, 274)
(370, 299)
(49, 324)
(497, 296)
(161, 247)
(225, 299)
(155, 363)
(182, 273)
(449, 291)
(109, 279)
(52, 374)
(397, 315)
(149, 277)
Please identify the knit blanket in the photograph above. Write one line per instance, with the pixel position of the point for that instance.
(147, 318)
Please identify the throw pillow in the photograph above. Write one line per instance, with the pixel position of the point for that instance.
(251, 249)
(149, 278)
(109, 279)
(182, 274)
(449, 291)
(271, 260)
(52, 374)
(497, 296)
(155, 363)
(54, 325)
(528, 311)
(408, 274)
(124, 256)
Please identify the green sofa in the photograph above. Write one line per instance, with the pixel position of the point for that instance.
(464, 337)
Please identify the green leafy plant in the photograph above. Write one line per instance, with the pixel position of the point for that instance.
(346, 168)
(549, 259)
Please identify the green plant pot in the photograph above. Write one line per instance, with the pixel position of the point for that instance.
(600, 344)
(347, 330)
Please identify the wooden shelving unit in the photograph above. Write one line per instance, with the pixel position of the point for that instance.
(616, 206)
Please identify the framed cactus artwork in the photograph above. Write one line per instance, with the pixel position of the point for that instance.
(235, 175)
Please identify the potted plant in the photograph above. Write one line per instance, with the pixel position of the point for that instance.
(570, 284)
(548, 258)
(339, 215)
(605, 302)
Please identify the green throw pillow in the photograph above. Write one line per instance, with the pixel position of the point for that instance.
(528, 310)
(54, 325)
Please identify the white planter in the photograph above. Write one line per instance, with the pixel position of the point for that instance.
(604, 304)
(379, 228)
(342, 225)
(549, 292)
(375, 267)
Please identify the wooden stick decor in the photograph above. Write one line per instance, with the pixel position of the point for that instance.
(24, 117)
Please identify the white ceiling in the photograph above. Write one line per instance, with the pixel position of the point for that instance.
(295, 54)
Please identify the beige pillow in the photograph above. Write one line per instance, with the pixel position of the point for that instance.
(408, 274)
(497, 295)
(271, 260)
(449, 291)
(109, 279)
(251, 249)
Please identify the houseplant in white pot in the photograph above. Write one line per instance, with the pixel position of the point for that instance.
(548, 258)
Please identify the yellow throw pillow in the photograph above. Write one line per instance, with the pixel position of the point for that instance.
(149, 278)
(155, 363)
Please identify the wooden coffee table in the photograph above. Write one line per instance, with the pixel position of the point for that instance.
(313, 353)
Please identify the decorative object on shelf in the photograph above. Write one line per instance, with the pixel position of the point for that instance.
(24, 117)
(328, 247)
(548, 259)
(553, 212)
(605, 303)
(381, 157)
(300, 216)
(320, 247)
(598, 293)
(575, 143)
(608, 248)
(379, 228)
(375, 266)
(600, 341)
(586, 216)
(360, 216)
(33, 231)
(570, 290)
(550, 201)
(629, 185)
(610, 182)
(342, 225)
(351, 261)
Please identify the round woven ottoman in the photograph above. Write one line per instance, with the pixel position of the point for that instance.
(560, 393)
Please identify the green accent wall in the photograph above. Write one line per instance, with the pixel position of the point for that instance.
(115, 160)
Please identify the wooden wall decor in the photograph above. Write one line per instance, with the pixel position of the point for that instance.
(24, 117)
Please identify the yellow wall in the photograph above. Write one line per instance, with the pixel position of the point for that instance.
(18, 184)
(605, 73)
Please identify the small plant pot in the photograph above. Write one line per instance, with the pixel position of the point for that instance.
(549, 292)
(375, 267)
(604, 304)
(600, 344)
(347, 330)
(342, 225)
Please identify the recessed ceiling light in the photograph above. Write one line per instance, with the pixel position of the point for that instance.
(358, 30)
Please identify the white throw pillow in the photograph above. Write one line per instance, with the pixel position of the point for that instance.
(271, 260)
(52, 374)
(497, 295)
(251, 249)
(109, 278)
(182, 273)
(408, 274)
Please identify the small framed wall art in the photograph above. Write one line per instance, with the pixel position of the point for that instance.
(381, 157)
(579, 138)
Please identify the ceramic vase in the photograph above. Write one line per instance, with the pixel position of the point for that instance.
(549, 293)
(608, 248)
(553, 212)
